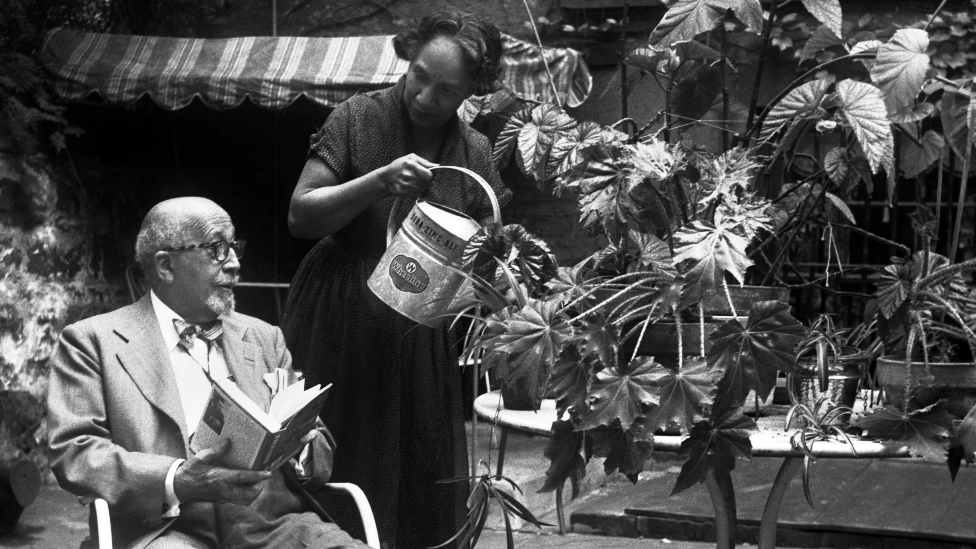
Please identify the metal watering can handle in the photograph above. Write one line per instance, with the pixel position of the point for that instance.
(391, 227)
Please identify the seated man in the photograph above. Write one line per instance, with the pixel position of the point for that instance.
(128, 388)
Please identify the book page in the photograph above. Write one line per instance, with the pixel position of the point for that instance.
(245, 402)
(292, 399)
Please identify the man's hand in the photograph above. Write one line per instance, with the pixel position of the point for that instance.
(201, 479)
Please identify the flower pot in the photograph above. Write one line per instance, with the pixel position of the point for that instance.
(843, 381)
(661, 341)
(956, 381)
(743, 297)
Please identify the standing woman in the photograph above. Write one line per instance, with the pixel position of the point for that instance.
(396, 410)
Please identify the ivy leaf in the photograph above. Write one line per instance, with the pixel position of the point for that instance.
(827, 12)
(620, 396)
(925, 431)
(749, 356)
(900, 67)
(695, 94)
(564, 451)
(865, 111)
(686, 19)
(915, 159)
(966, 434)
(524, 344)
(683, 394)
(567, 151)
(571, 379)
(712, 251)
(801, 101)
(625, 450)
(714, 444)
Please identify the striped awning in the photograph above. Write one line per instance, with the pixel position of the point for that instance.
(273, 72)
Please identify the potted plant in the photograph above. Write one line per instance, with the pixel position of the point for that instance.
(830, 364)
(924, 306)
(683, 225)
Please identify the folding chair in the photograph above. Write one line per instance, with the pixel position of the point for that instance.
(343, 490)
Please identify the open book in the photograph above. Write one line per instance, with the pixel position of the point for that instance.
(259, 440)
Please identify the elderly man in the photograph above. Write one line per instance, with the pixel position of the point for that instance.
(128, 388)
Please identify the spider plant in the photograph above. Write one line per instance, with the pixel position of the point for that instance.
(816, 424)
(829, 344)
(486, 488)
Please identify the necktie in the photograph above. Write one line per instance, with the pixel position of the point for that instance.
(189, 332)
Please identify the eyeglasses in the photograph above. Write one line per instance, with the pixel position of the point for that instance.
(219, 250)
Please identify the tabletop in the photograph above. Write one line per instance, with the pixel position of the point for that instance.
(771, 440)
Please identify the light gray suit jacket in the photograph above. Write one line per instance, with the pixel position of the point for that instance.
(116, 424)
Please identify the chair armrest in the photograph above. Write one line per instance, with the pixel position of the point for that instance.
(362, 504)
(104, 523)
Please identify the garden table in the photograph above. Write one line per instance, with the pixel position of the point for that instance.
(770, 441)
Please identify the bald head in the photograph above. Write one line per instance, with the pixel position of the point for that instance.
(174, 223)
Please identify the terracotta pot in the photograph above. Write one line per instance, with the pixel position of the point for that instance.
(956, 381)
(843, 381)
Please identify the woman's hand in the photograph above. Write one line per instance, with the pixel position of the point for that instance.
(408, 176)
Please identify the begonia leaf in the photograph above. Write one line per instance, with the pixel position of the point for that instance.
(571, 379)
(804, 100)
(620, 396)
(925, 431)
(524, 343)
(750, 356)
(565, 453)
(865, 111)
(827, 12)
(683, 395)
(714, 444)
(686, 19)
(623, 450)
(899, 70)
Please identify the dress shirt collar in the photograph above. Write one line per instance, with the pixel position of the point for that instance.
(165, 316)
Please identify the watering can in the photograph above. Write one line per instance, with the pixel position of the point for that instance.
(420, 273)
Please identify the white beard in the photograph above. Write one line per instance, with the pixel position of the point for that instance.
(220, 305)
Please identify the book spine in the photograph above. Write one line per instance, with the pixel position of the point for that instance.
(267, 451)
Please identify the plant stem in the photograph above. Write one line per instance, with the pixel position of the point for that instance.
(869, 234)
(728, 295)
(767, 36)
(796, 231)
(752, 129)
(936, 13)
(971, 116)
(538, 40)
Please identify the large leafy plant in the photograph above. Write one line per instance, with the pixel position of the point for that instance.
(681, 223)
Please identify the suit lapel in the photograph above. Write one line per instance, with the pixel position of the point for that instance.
(146, 360)
(239, 353)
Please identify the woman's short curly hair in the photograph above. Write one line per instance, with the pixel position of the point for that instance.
(480, 42)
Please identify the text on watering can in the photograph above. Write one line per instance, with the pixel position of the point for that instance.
(432, 234)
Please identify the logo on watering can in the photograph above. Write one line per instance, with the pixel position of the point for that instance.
(408, 275)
